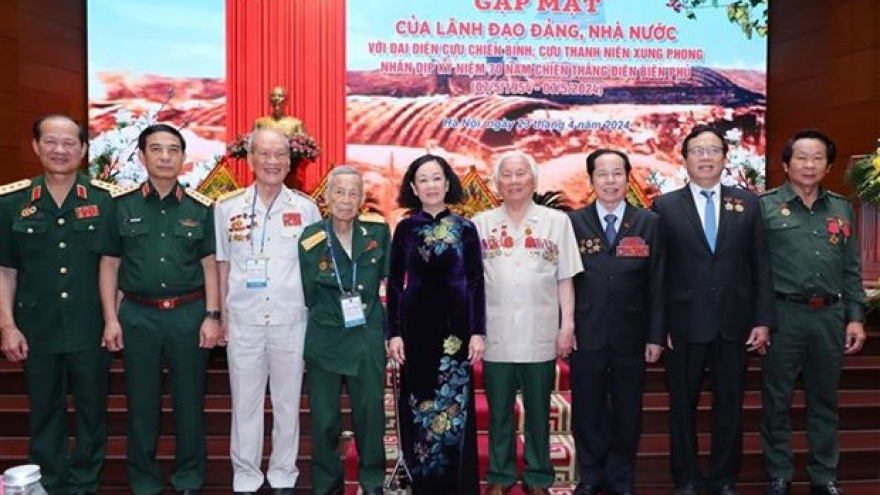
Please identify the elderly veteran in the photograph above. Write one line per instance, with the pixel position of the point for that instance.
(530, 256)
(342, 261)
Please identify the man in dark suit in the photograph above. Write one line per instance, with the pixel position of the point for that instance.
(719, 305)
(618, 326)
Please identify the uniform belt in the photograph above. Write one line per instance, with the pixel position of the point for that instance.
(815, 300)
(167, 302)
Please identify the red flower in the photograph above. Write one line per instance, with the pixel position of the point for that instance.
(507, 242)
(846, 229)
(833, 226)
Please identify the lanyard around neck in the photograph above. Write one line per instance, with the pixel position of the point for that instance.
(265, 220)
(335, 266)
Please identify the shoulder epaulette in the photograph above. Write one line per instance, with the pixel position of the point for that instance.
(105, 186)
(837, 195)
(313, 240)
(199, 197)
(230, 194)
(370, 217)
(123, 190)
(304, 195)
(15, 186)
(769, 192)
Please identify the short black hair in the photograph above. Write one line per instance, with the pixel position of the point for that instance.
(408, 199)
(592, 157)
(153, 129)
(830, 147)
(82, 133)
(700, 129)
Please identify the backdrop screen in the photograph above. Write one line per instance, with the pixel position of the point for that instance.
(468, 79)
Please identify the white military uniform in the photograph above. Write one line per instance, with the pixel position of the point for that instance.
(266, 315)
(523, 266)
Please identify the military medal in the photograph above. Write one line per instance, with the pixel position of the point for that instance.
(784, 211)
(739, 208)
(30, 210)
(87, 211)
(728, 206)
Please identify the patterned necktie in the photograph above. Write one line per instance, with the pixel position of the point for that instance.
(610, 232)
(710, 226)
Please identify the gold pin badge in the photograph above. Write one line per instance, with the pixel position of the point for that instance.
(728, 206)
(739, 208)
(785, 212)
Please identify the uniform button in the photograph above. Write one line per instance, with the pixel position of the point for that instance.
(267, 299)
(163, 212)
(30, 230)
(62, 244)
(91, 227)
(62, 270)
(189, 234)
(373, 261)
(162, 260)
(60, 221)
(163, 284)
(64, 295)
(162, 234)
(364, 305)
(817, 253)
(360, 287)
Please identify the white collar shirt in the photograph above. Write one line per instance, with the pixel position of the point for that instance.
(247, 229)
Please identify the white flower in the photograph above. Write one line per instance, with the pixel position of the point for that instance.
(733, 136)
(123, 117)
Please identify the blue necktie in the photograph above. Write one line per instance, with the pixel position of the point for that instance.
(610, 232)
(710, 226)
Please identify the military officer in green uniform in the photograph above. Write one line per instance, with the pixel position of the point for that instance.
(50, 314)
(819, 305)
(158, 249)
(343, 260)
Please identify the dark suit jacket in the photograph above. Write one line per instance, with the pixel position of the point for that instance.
(618, 298)
(729, 291)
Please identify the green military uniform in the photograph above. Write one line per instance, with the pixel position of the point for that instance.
(55, 253)
(161, 243)
(818, 283)
(332, 351)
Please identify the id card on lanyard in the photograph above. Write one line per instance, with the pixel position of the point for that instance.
(257, 265)
(350, 301)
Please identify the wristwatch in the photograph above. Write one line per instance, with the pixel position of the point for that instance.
(214, 315)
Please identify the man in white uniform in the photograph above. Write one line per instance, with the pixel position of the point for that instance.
(530, 256)
(264, 314)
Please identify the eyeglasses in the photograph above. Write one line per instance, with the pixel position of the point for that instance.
(712, 151)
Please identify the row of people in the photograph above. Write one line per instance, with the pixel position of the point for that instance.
(607, 287)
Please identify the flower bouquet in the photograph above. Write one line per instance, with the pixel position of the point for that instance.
(302, 147)
(113, 153)
(864, 177)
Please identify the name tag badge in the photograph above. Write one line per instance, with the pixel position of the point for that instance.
(352, 310)
(257, 273)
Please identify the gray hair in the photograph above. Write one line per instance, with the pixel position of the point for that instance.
(260, 131)
(344, 170)
(515, 154)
